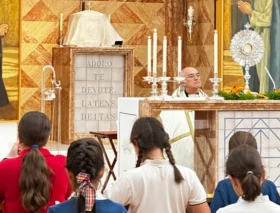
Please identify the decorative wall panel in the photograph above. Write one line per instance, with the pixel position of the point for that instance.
(134, 21)
(264, 126)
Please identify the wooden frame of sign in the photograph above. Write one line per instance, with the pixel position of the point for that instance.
(92, 79)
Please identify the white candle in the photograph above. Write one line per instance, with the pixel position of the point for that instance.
(149, 56)
(155, 53)
(109, 18)
(190, 11)
(215, 52)
(164, 56)
(179, 55)
(61, 22)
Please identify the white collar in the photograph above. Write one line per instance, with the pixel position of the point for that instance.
(260, 199)
(98, 196)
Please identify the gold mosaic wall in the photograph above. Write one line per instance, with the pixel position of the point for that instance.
(200, 50)
(134, 20)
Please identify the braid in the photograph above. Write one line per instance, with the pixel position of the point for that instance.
(147, 134)
(85, 155)
(140, 156)
(177, 173)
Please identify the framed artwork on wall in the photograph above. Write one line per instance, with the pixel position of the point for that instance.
(263, 16)
(9, 60)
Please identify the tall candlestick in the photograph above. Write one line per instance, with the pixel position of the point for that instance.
(164, 56)
(155, 53)
(190, 11)
(179, 55)
(61, 22)
(149, 56)
(215, 52)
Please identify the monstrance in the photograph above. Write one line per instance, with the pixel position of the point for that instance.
(247, 49)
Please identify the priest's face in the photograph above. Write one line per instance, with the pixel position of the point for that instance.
(192, 78)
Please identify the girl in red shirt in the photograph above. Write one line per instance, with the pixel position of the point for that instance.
(35, 179)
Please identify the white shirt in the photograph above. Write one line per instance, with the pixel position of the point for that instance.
(151, 188)
(261, 204)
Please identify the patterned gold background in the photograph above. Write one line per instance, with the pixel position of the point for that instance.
(134, 20)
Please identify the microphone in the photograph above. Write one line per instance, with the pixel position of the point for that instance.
(274, 87)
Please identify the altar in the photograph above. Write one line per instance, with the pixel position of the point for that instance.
(215, 122)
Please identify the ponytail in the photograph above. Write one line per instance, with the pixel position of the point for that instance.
(34, 181)
(251, 187)
(81, 202)
(244, 164)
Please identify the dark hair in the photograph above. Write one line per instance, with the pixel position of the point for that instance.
(242, 138)
(149, 133)
(244, 163)
(34, 181)
(85, 155)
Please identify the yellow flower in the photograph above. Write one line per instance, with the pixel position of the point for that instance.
(248, 92)
(261, 96)
(236, 89)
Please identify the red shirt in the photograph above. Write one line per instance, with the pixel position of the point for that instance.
(9, 181)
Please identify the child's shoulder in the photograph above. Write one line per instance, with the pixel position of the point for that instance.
(68, 206)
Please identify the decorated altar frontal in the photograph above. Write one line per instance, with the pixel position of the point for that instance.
(215, 122)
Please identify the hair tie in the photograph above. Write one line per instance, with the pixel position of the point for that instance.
(34, 146)
(249, 172)
(86, 189)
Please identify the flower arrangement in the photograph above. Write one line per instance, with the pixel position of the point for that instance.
(273, 95)
(237, 93)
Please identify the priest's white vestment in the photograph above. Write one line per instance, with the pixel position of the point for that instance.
(179, 124)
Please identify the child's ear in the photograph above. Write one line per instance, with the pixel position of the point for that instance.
(101, 173)
(233, 181)
(263, 176)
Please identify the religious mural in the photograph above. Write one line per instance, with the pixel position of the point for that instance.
(265, 20)
(9, 61)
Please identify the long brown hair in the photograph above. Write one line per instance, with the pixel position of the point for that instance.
(34, 130)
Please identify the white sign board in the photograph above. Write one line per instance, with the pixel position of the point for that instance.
(99, 82)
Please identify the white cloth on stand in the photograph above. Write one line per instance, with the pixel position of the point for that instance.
(90, 29)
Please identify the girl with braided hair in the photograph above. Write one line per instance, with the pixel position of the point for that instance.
(85, 165)
(33, 179)
(157, 184)
(246, 173)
